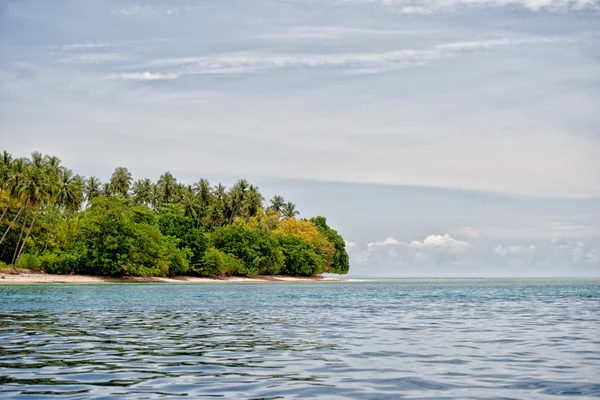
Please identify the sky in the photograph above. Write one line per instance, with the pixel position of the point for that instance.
(439, 137)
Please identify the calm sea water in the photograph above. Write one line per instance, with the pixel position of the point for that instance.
(422, 339)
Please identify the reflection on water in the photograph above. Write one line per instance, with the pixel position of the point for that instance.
(411, 339)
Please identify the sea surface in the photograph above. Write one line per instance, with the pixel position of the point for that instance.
(388, 339)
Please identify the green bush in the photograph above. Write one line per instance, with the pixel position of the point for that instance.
(257, 250)
(300, 257)
(218, 263)
(59, 262)
(30, 262)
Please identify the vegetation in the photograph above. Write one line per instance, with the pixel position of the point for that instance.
(55, 221)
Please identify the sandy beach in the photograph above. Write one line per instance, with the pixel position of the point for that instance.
(26, 278)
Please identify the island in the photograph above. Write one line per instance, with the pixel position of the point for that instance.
(56, 222)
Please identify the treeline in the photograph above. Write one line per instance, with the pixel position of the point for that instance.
(56, 221)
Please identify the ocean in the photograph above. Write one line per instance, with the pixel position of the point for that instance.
(370, 339)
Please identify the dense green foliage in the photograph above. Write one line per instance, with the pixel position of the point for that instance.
(54, 221)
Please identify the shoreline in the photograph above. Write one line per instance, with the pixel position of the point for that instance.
(31, 278)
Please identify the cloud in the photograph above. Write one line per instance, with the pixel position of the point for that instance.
(143, 76)
(440, 242)
(86, 45)
(437, 6)
(92, 58)
(516, 252)
(576, 250)
(437, 249)
(366, 62)
(151, 10)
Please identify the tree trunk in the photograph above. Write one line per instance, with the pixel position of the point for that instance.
(19, 241)
(12, 223)
(26, 237)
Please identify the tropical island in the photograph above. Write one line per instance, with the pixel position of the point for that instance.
(58, 222)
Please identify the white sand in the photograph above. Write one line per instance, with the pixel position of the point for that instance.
(34, 278)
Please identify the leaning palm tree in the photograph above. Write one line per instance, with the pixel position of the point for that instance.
(120, 182)
(5, 177)
(34, 190)
(289, 210)
(16, 178)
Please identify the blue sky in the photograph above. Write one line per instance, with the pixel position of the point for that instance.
(441, 137)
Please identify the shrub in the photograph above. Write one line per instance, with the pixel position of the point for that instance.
(218, 263)
(60, 262)
(30, 262)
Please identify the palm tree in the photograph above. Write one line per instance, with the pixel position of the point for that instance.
(16, 178)
(93, 188)
(120, 182)
(289, 210)
(189, 202)
(107, 190)
(76, 190)
(142, 191)
(277, 203)
(252, 203)
(202, 190)
(34, 190)
(5, 176)
(237, 196)
(168, 186)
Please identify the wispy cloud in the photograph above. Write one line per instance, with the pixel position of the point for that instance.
(86, 45)
(435, 6)
(92, 58)
(143, 76)
(152, 10)
(358, 62)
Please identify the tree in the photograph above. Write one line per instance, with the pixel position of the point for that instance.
(258, 251)
(93, 188)
(142, 192)
(277, 203)
(341, 261)
(299, 257)
(120, 182)
(34, 189)
(289, 210)
(167, 185)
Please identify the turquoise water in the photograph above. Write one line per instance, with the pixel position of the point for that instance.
(421, 339)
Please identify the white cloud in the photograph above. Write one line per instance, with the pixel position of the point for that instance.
(576, 250)
(390, 241)
(440, 242)
(516, 252)
(92, 58)
(436, 6)
(359, 62)
(144, 76)
(86, 45)
(151, 10)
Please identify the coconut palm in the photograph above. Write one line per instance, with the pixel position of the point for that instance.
(93, 188)
(168, 187)
(203, 193)
(189, 202)
(120, 182)
(142, 191)
(15, 180)
(289, 210)
(277, 203)
(34, 190)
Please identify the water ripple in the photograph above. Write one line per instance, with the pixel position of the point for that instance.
(357, 340)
